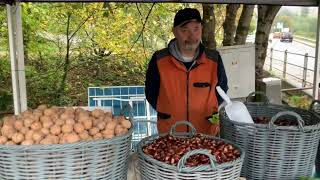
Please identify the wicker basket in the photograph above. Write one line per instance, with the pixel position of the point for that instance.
(315, 106)
(152, 169)
(99, 159)
(275, 152)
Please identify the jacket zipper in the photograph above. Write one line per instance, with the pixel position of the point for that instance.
(188, 99)
(188, 72)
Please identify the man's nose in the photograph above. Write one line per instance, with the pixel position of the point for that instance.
(190, 34)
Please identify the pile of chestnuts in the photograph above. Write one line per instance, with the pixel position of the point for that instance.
(278, 122)
(170, 150)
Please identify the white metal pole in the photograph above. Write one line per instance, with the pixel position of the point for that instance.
(17, 57)
(148, 117)
(148, 110)
(316, 62)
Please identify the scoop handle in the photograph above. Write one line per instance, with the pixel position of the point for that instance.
(223, 95)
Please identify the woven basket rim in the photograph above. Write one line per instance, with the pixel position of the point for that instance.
(266, 126)
(146, 157)
(40, 147)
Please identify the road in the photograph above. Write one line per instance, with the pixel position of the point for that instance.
(295, 57)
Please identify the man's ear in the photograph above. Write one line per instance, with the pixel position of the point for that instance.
(174, 31)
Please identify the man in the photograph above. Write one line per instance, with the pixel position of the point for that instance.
(181, 80)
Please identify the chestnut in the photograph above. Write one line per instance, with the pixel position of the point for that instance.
(169, 149)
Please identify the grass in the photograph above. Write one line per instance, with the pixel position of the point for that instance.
(308, 178)
(310, 36)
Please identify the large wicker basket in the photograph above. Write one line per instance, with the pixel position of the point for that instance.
(315, 106)
(105, 159)
(275, 152)
(152, 169)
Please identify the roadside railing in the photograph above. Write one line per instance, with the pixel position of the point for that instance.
(290, 67)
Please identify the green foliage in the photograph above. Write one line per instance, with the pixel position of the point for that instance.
(4, 72)
(308, 178)
(214, 118)
(299, 24)
(305, 26)
(253, 24)
(3, 32)
(308, 35)
(299, 101)
(109, 44)
(6, 101)
(287, 21)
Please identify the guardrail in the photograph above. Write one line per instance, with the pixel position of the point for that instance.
(285, 64)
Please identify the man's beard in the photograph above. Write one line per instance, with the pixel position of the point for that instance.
(191, 45)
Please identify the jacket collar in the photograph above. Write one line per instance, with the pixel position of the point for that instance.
(175, 56)
(173, 50)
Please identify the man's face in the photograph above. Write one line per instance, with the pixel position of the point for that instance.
(188, 35)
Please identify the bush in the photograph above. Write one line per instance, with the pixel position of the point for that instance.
(299, 101)
(6, 101)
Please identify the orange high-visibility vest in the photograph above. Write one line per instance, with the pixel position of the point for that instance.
(184, 94)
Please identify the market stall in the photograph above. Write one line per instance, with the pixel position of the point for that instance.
(104, 154)
(16, 37)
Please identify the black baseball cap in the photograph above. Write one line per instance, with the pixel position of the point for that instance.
(186, 15)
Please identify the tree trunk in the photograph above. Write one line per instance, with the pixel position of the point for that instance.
(266, 15)
(229, 25)
(67, 63)
(209, 26)
(61, 89)
(244, 24)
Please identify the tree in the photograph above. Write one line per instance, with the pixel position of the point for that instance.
(6, 99)
(244, 24)
(209, 23)
(286, 21)
(3, 29)
(229, 25)
(266, 15)
(73, 46)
